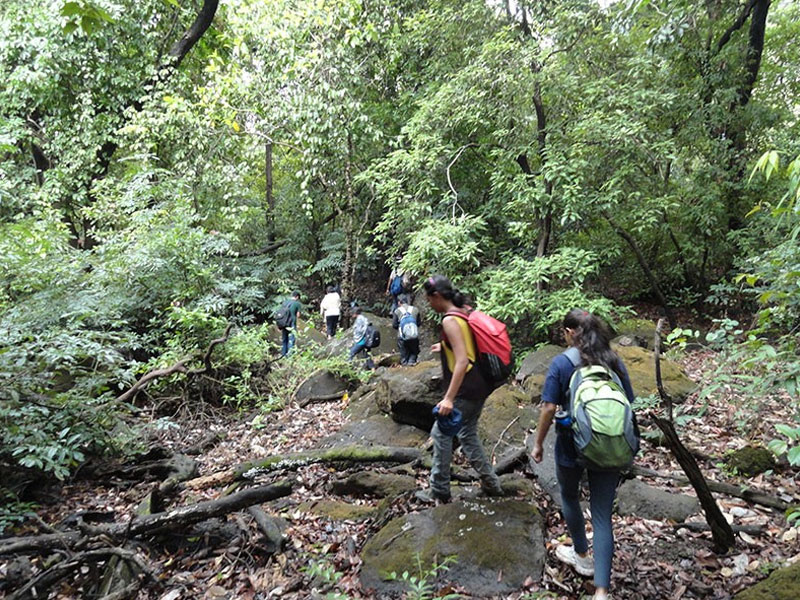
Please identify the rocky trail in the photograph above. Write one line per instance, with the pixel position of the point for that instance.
(338, 473)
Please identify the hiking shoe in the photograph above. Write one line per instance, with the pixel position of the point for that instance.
(428, 496)
(491, 492)
(582, 564)
(603, 597)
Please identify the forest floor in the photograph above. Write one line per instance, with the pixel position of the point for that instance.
(653, 559)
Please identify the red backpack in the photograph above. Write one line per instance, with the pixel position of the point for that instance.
(492, 343)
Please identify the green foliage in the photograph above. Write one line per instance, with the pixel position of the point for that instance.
(780, 446)
(421, 585)
(12, 510)
(540, 291)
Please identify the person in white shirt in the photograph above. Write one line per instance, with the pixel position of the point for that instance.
(330, 308)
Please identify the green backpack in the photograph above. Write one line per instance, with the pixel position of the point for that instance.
(603, 423)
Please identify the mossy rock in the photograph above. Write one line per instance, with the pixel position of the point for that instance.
(642, 371)
(782, 584)
(502, 407)
(750, 460)
(497, 546)
(533, 386)
(370, 483)
(538, 361)
(337, 510)
(642, 330)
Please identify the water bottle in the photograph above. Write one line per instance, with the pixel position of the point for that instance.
(563, 420)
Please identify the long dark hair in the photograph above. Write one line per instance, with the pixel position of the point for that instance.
(592, 338)
(443, 286)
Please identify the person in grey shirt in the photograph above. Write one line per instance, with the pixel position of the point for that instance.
(405, 319)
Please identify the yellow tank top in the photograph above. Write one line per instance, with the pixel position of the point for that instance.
(469, 342)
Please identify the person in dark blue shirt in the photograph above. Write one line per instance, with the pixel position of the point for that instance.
(590, 337)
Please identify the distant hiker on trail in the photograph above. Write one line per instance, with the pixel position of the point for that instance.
(360, 330)
(466, 391)
(588, 364)
(406, 320)
(330, 308)
(395, 286)
(286, 320)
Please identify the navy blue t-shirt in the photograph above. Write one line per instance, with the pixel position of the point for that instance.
(556, 391)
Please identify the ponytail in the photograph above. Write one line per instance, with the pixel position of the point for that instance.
(439, 284)
(593, 339)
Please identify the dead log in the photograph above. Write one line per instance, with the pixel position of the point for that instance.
(748, 529)
(743, 492)
(143, 525)
(273, 538)
(721, 532)
(295, 460)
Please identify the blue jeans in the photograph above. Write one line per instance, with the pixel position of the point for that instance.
(602, 490)
(287, 341)
(470, 445)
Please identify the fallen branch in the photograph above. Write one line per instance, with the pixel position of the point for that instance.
(745, 493)
(500, 437)
(178, 518)
(45, 580)
(178, 367)
(748, 529)
(721, 532)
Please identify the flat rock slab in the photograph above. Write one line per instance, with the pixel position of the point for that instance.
(377, 430)
(545, 471)
(497, 545)
(782, 584)
(537, 362)
(370, 483)
(636, 498)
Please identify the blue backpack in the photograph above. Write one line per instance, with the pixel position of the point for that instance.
(408, 326)
(397, 285)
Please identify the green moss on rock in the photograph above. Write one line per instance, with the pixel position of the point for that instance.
(338, 511)
(783, 584)
(488, 538)
(750, 461)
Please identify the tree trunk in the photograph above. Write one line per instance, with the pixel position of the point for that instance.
(268, 192)
(721, 531)
(651, 278)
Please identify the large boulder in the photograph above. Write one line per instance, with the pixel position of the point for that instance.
(497, 545)
(409, 394)
(641, 368)
(636, 498)
(545, 471)
(782, 584)
(321, 383)
(506, 417)
(538, 361)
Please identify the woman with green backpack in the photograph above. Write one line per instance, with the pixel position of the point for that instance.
(588, 363)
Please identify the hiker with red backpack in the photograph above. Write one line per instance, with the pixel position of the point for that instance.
(467, 384)
(596, 431)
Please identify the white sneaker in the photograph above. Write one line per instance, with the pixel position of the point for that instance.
(604, 597)
(582, 564)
